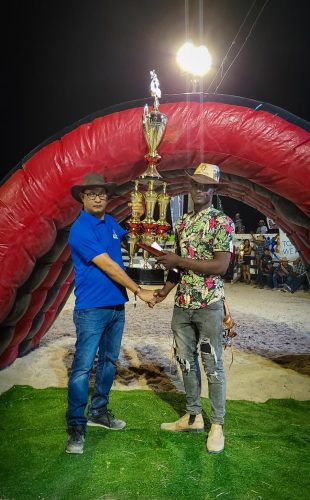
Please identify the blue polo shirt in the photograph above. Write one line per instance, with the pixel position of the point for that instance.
(89, 237)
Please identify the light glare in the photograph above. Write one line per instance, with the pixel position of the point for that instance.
(194, 60)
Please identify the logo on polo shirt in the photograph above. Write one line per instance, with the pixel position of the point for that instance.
(115, 235)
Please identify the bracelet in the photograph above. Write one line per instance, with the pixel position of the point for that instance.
(135, 295)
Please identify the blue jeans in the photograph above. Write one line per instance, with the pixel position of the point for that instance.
(280, 280)
(101, 330)
(204, 328)
(298, 281)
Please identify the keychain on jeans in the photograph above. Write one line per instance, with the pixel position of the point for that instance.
(135, 296)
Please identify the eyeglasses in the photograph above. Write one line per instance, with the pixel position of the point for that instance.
(201, 187)
(93, 196)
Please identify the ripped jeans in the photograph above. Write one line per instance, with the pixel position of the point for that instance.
(194, 328)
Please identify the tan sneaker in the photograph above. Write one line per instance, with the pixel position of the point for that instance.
(187, 423)
(215, 441)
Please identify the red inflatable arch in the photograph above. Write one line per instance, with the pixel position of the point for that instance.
(262, 151)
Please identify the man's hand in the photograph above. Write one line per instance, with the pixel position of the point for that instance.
(159, 295)
(146, 295)
(169, 260)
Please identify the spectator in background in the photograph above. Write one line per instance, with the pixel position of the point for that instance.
(283, 274)
(239, 227)
(262, 228)
(246, 262)
(259, 245)
(265, 269)
(267, 243)
(299, 278)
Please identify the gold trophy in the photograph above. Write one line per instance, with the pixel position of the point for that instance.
(135, 197)
(150, 200)
(134, 223)
(148, 231)
(154, 126)
(162, 224)
(149, 225)
(133, 239)
(163, 202)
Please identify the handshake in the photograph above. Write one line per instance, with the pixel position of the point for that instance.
(152, 297)
(171, 261)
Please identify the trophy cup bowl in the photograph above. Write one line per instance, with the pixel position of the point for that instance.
(136, 204)
(154, 126)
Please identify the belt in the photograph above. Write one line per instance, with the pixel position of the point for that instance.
(119, 307)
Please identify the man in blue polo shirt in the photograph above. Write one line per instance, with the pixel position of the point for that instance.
(100, 288)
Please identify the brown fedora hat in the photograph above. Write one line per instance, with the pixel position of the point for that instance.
(206, 173)
(93, 180)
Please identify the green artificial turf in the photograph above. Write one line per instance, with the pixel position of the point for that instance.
(266, 454)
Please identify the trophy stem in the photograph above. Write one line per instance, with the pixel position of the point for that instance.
(163, 202)
(151, 172)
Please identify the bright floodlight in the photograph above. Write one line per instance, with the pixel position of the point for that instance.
(194, 60)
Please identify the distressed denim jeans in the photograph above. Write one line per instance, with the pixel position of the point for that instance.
(101, 330)
(194, 329)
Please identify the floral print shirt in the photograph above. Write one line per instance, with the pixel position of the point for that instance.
(198, 236)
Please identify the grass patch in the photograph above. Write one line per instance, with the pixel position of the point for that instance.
(266, 455)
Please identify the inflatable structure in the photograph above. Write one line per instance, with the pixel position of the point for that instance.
(263, 153)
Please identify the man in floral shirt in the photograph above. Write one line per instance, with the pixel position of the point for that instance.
(204, 245)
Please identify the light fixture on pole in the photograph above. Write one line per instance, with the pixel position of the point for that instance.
(195, 61)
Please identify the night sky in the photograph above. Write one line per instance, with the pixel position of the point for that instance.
(63, 60)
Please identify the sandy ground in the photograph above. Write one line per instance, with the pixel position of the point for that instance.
(271, 352)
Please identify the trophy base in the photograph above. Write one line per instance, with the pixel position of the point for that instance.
(146, 276)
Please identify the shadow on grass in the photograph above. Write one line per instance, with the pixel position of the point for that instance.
(177, 403)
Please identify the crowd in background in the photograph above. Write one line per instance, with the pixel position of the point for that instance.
(260, 254)
(241, 229)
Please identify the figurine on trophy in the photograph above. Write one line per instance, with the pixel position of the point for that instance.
(155, 90)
